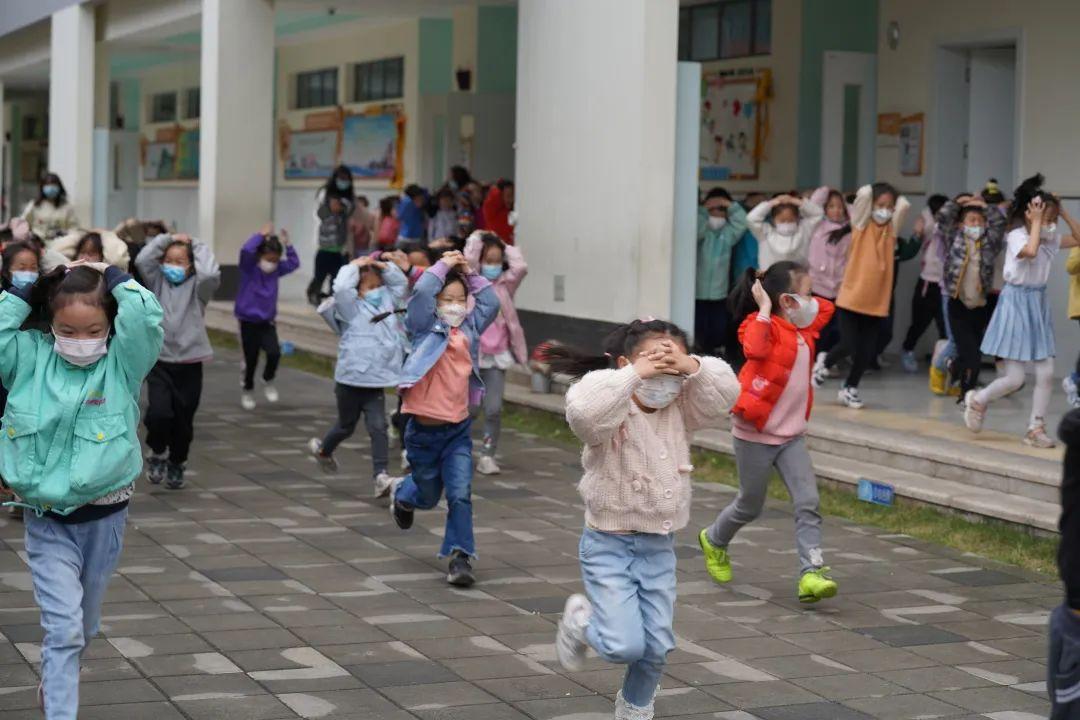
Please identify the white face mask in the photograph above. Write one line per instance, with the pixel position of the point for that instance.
(882, 215)
(453, 315)
(660, 391)
(787, 229)
(973, 232)
(268, 266)
(803, 315)
(80, 352)
(715, 223)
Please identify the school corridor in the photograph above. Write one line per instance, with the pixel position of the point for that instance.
(266, 589)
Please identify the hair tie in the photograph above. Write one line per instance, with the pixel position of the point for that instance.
(607, 355)
(647, 318)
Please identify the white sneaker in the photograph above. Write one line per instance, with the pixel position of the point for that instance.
(973, 415)
(383, 481)
(405, 460)
(247, 401)
(820, 373)
(486, 465)
(625, 711)
(271, 393)
(1072, 392)
(570, 645)
(326, 462)
(849, 397)
(909, 362)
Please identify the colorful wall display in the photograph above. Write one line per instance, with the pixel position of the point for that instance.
(369, 145)
(311, 154)
(187, 155)
(159, 161)
(733, 124)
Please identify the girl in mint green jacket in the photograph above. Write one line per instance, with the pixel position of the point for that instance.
(68, 446)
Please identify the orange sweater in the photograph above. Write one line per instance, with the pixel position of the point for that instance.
(868, 277)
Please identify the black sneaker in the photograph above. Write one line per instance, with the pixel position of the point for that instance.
(174, 476)
(461, 572)
(155, 469)
(402, 515)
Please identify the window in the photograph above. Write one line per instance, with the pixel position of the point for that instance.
(379, 80)
(317, 88)
(163, 107)
(191, 104)
(728, 29)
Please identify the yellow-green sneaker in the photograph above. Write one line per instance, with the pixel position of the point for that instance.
(717, 562)
(816, 585)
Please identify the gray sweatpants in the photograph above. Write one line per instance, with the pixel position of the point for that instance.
(755, 462)
(494, 389)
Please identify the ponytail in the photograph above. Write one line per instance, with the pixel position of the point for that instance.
(620, 342)
(382, 316)
(777, 280)
(1028, 191)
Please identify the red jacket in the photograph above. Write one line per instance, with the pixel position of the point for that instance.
(770, 349)
(497, 215)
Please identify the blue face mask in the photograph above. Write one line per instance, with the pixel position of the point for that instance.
(175, 274)
(375, 296)
(491, 272)
(23, 279)
(51, 191)
(342, 184)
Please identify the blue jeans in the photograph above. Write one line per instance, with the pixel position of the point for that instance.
(441, 460)
(630, 580)
(71, 565)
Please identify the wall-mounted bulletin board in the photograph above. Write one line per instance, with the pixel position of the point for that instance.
(371, 144)
(187, 155)
(734, 123)
(311, 154)
(911, 144)
(159, 161)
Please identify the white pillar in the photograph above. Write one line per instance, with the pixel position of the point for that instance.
(5, 163)
(595, 166)
(71, 103)
(236, 127)
(687, 162)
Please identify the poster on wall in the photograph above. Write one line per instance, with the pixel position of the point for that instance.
(369, 146)
(311, 154)
(187, 155)
(731, 115)
(160, 161)
(911, 145)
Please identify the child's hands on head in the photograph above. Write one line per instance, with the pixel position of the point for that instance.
(761, 297)
(455, 259)
(266, 229)
(182, 238)
(663, 356)
(335, 205)
(283, 235)
(1036, 210)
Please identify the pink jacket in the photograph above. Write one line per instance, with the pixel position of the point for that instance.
(506, 286)
(827, 261)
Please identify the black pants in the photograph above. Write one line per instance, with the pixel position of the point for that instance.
(1077, 372)
(830, 334)
(352, 402)
(174, 390)
(968, 326)
(1063, 664)
(256, 336)
(711, 321)
(327, 264)
(925, 307)
(858, 340)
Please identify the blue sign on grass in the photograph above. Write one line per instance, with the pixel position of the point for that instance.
(875, 492)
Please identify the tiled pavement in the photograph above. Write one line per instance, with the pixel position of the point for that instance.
(268, 590)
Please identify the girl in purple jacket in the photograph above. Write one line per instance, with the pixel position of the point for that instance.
(264, 259)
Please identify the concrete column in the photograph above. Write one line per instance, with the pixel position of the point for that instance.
(236, 127)
(102, 81)
(5, 163)
(595, 165)
(71, 103)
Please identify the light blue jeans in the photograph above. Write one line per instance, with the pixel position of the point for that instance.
(630, 580)
(71, 565)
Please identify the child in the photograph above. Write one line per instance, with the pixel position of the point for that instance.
(1071, 382)
(389, 225)
(720, 225)
(69, 449)
(783, 227)
(633, 409)
(829, 245)
(20, 265)
(51, 214)
(93, 246)
(444, 223)
(1021, 330)
(503, 343)
(261, 267)
(498, 209)
(769, 419)
(1063, 678)
(410, 213)
(926, 305)
(971, 236)
(135, 233)
(362, 226)
(184, 274)
(441, 380)
(866, 291)
(334, 206)
(370, 354)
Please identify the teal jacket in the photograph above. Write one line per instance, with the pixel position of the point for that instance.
(69, 433)
(714, 252)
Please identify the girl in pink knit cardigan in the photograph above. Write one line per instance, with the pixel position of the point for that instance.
(634, 409)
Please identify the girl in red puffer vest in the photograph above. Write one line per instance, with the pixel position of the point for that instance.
(769, 418)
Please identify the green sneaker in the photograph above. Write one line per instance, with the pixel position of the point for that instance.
(717, 562)
(816, 585)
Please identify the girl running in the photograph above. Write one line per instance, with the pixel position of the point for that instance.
(633, 409)
(184, 274)
(370, 354)
(503, 343)
(782, 322)
(441, 380)
(69, 449)
(264, 259)
(1021, 330)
